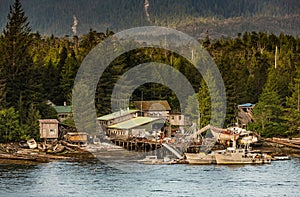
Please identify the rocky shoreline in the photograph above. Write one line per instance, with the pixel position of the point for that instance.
(13, 153)
(276, 149)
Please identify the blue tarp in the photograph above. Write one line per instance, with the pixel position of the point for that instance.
(246, 105)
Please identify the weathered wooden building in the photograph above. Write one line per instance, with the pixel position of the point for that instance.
(76, 137)
(48, 129)
(178, 119)
(154, 108)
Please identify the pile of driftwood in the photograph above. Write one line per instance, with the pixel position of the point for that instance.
(42, 152)
(8, 148)
(58, 146)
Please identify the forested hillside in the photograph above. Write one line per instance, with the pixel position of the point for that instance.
(219, 17)
(35, 69)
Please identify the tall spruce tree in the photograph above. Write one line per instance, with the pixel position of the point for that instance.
(204, 104)
(293, 107)
(268, 112)
(20, 74)
(15, 57)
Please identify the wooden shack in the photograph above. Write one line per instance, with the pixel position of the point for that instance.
(48, 129)
(77, 137)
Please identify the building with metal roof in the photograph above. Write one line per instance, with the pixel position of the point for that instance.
(135, 127)
(63, 112)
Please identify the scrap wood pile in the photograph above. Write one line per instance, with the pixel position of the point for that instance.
(12, 151)
(9, 148)
(58, 147)
(41, 152)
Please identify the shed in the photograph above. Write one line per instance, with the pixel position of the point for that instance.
(48, 128)
(76, 137)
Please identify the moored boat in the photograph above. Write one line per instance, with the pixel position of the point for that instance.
(200, 158)
(241, 156)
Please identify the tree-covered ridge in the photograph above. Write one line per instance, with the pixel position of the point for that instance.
(35, 69)
(221, 18)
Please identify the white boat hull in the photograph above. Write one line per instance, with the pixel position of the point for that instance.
(200, 158)
(237, 159)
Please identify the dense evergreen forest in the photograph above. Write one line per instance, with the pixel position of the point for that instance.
(36, 68)
(219, 17)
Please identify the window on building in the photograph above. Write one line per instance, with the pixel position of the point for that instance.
(52, 131)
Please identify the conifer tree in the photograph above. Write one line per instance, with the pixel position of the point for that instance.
(293, 107)
(268, 112)
(15, 59)
(204, 104)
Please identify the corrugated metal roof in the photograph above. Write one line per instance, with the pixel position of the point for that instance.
(63, 109)
(117, 114)
(134, 122)
(153, 105)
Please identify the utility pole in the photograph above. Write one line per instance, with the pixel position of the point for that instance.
(276, 50)
(142, 104)
(298, 108)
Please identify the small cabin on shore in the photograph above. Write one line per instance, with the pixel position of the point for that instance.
(48, 129)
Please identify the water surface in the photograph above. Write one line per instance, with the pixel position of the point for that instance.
(280, 178)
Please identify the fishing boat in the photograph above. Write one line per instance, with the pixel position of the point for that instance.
(200, 158)
(237, 156)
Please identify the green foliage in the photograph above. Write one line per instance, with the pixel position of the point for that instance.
(10, 128)
(204, 104)
(191, 111)
(35, 68)
(293, 107)
(268, 113)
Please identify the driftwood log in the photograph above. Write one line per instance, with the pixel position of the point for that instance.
(24, 157)
(283, 142)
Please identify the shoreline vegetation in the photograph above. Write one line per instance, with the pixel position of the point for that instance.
(257, 67)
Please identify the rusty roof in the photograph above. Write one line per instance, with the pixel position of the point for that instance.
(153, 105)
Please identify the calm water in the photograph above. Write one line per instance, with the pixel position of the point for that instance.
(281, 178)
